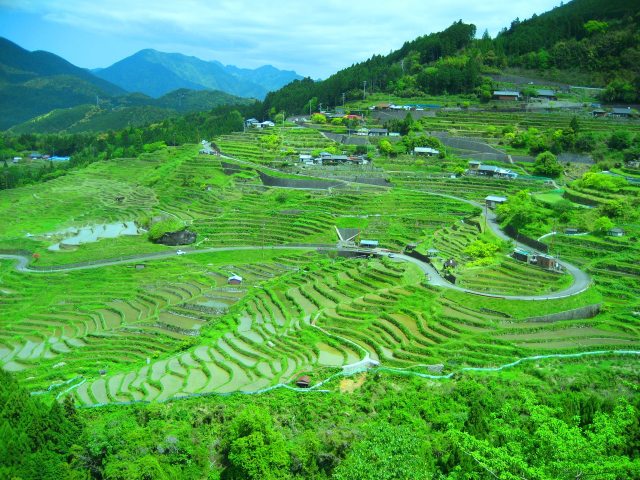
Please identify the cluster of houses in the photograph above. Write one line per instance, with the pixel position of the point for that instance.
(412, 106)
(615, 112)
(540, 259)
(326, 158)
(40, 156)
(477, 168)
(514, 95)
(253, 123)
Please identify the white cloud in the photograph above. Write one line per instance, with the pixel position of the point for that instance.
(313, 37)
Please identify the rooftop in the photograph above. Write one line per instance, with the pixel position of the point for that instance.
(495, 198)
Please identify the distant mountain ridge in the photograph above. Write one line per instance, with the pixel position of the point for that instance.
(156, 73)
(42, 92)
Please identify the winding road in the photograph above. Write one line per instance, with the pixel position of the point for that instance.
(581, 281)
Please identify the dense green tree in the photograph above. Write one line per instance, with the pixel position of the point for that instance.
(619, 140)
(519, 210)
(255, 449)
(547, 164)
(387, 452)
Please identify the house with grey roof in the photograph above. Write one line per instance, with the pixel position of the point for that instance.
(506, 95)
(546, 94)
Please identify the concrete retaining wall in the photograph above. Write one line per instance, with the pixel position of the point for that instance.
(297, 182)
(588, 311)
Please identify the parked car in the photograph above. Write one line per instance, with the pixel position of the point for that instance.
(180, 252)
(391, 255)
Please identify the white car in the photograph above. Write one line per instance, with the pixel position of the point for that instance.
(391, 255)
(180, 252)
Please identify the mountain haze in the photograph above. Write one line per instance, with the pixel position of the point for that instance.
(157, 73)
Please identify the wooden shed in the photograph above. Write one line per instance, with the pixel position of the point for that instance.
(547, 261)
(303, 381)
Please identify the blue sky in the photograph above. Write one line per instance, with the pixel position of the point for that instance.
(314, 38)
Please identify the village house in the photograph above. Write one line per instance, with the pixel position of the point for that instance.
(378, 132)
(616, 232)
(306, 159)
(506, 95)
(252, 122)
(546, 94)
(234, 280)
(621, 112)
(428, 151)
(598, 112)
(493, 171)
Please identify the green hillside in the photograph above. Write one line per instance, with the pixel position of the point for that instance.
(595, 40)
(127, 111)
(43, 93)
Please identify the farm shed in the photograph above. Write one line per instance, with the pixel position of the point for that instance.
(451, 263)
(521, 255)
(492, 201)
(616, 232)
(474, 165)
(303, 381)
(411, 247)
(547, 261)
(234, 280)
(369, 243)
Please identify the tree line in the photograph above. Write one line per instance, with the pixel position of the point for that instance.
(558, 422)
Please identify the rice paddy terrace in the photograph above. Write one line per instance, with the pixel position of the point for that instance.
(162, 328)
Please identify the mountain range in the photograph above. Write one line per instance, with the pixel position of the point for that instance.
(157, 73)
(40, 87)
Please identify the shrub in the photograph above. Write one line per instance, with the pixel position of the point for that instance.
(165, 226)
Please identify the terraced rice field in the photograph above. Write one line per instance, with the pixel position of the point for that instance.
(176, 328)
(253, 146)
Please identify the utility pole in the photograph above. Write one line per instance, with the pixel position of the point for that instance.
(364, 89)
